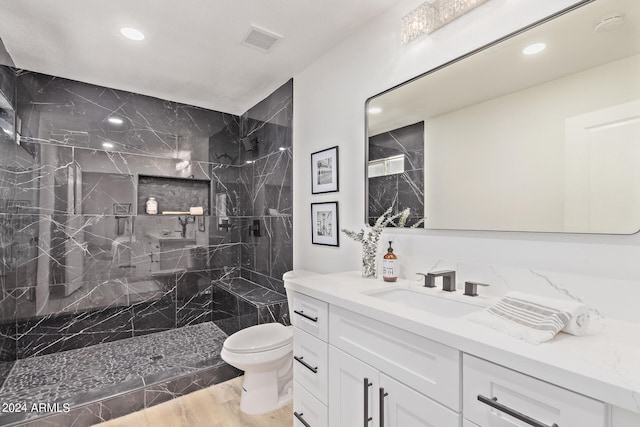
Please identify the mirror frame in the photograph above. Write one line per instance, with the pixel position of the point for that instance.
(473, 52)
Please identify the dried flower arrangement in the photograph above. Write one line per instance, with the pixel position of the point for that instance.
(370, 236)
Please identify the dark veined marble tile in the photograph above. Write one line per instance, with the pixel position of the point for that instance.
(407, 140)
(56, 333)
(195, 299)
(251, 292)
(154, 316)
(269, 282)
(274, 313)
(411, 194)
(73, 113)
(256, 251)
(271, 121)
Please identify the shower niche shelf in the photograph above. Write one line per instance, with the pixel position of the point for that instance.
(173, 194)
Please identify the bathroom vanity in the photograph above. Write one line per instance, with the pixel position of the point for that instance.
(368, 353)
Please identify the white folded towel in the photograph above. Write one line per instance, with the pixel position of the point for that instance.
(532, 318)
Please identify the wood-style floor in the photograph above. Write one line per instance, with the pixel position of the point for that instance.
(216, 406)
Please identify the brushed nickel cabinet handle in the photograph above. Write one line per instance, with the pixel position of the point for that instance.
(366, 417)
(305, 364)
(306, 316)
(382, 396)
(302, 420)
(493, 402)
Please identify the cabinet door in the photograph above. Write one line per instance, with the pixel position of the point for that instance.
(402, 406)
(353, 389)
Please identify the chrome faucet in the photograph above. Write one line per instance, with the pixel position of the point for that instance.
(448, 279)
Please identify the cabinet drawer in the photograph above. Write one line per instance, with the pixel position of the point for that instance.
(531, 397)
(308, 409)
(423, 364)
(310, 315)
(467, 423)
(310, 363)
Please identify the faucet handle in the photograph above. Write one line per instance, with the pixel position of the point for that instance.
(428, 280)
(448, 279)
(471, 288)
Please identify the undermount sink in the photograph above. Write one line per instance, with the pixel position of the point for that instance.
(427, 300)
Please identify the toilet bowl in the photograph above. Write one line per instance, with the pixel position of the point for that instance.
(264, 353)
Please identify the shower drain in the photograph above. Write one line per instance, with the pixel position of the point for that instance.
(156, 357)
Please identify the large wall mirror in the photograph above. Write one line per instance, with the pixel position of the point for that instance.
(511, 139)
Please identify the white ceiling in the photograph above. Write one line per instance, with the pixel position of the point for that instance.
(192, 52)
(572, 46)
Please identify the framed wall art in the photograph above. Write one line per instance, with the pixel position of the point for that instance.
(325, 228)
(324, 171)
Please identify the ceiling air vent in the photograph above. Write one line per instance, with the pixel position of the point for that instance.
(261, 38)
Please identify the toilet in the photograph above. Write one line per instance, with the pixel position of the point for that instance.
(265, 354)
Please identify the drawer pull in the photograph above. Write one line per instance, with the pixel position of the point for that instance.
(306, 316)
(382, 396)
(493, 402)
(366, 416)
(306, 365)
(302, 420)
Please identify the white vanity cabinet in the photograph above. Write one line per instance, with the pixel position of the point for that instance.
(375, 369)
(310, 320)
(368, 369)
(494, 396)
(360, 395)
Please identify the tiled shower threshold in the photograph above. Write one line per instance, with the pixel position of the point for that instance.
(93, 384)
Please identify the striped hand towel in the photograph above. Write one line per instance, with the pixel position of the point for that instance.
(532, 318)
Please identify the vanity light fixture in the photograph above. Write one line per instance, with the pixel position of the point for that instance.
(107, 145)
(433, 14)
(534, 48)
(132, 33)
(374, 110)
(115, 120)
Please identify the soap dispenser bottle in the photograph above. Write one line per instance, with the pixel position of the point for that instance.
(390, 266)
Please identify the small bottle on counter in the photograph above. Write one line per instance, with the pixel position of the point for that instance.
(151, 207)
(390, 266)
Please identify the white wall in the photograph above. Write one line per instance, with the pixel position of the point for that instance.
(491, 166)
(329, 110)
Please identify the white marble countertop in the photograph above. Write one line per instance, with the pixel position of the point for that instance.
(603, 364)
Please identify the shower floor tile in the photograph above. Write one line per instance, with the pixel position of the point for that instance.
(88, 374)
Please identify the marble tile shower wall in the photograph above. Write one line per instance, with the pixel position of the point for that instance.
(406, 189)
(267, 199)
(7, 188)
(82, 263)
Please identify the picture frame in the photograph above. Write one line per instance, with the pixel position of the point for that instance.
(325, 224)
(324, 171)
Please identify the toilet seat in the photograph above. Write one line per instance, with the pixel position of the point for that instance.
(259, 338)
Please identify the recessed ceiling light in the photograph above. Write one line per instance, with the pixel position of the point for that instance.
(249, 161)
(115, 120)
(282, 148)
(375, 110)
(132, 33)
(532, 49)
(107, 145)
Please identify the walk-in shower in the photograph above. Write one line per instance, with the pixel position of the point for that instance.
(104, 309)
